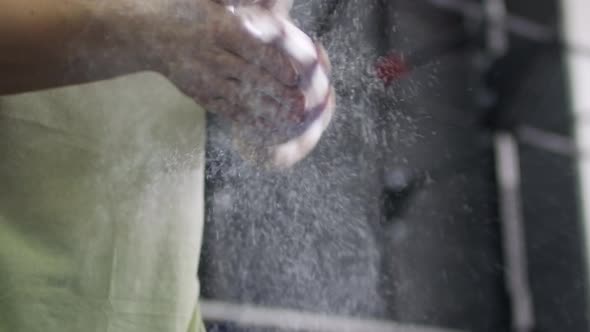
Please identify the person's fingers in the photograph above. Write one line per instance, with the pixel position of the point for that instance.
(227, 64)
(312, 66)
(253, 35)
(278, 7)
(288, 154)
(251, 82)
(296, 44)
(280, 47)
(324, 59)
(252, 97)
(238, 3)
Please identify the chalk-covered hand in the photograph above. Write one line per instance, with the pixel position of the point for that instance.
(246, 60)
(241, 58)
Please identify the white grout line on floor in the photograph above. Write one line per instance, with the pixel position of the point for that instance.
(513, 231)
(254, 316)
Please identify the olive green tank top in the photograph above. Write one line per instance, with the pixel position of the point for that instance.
(101, 208)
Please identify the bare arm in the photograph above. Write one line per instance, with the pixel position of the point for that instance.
(255, 66)
(48, 43)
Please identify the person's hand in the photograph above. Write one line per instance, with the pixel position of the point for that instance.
(250, 63)
(241, 58)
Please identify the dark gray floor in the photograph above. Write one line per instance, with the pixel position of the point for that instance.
(316, 238)
(394, 215)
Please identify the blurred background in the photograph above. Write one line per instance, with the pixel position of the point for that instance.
(451, 192)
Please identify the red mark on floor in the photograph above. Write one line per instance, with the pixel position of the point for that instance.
(391, 67)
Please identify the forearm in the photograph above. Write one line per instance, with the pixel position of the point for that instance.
(50, 43)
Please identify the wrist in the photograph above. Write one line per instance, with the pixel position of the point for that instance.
(122, 37)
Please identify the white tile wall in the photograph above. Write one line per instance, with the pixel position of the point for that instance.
(576, 32)
(577, 25)
(579, 72)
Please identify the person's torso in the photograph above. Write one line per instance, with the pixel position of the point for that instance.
(101, 203)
